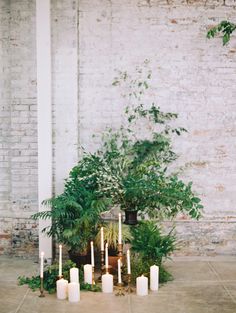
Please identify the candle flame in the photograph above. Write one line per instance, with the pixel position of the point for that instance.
(60, 246)
(42, 253)
(91, 243)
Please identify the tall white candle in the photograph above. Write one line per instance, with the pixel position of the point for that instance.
(120, 230)
(62, 285)
(74, 292)
(142, 286)
(102, 239)
(88, 277)
(128, 262)
(119, 272)
(60, 260)
(92, 254)
(41, 264)
(106, 257)
(154, 277)
(107, 283)
(74, 275)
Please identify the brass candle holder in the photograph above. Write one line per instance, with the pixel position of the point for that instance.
(60, 277)
(42, 295)
(93, 276)
(120, 291)
(129, 289)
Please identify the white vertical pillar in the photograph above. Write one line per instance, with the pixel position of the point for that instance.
(44, 104)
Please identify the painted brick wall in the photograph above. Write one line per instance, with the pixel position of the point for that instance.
(193, 76)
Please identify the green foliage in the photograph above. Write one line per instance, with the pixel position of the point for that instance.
(50, 278)
(149, 242)
(224, 27)
(76, 212)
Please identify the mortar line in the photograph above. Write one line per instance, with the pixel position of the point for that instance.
(221, 282)
(22, 301)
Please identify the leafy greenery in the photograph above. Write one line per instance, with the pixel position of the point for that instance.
(111, 231)
(150, 246)
(224, 27)
(50, 278)
(76, 212)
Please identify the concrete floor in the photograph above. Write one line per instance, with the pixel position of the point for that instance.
(201, 285)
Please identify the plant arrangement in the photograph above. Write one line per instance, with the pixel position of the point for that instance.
(224, 27)
(151, 246)
(50, 278)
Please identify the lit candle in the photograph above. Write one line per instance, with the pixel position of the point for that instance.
(62, 285)
(119, 272)
(154, 277)
(107, 283)
(88, 276)
(120, 231)
(74, 292)
(128, 262)
(74, 275)
(92, 254)
(102, 239)
(106, 257)
(142, 286)
(41, 264)
(60, 260)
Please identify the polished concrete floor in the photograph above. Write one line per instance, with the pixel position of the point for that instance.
(201, 285)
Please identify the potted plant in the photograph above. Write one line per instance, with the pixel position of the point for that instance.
(76, 212)
(111, 232)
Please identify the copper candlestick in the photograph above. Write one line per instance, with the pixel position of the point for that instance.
(93, 276)
(129, 289)
(120, 291)
(42, 295)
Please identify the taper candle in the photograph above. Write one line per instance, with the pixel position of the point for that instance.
(120, 231)
(106, 257)
(128, 262)
(119, 272)
(102, 239)
(92, 254)
(41, 264)
(60, 260)
(154, 277)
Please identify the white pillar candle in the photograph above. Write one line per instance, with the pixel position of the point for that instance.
(62, 285)
(142, 286)
(74, 292)
(41, 264)
(92, 254)
(102, 239)
(60, 260)
(119, 272)
(106, 257)
(107, 283)
(74, 275)
(128, 262)
(88, 276)
(154, 277)
(120, 230)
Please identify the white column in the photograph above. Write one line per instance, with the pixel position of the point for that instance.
(44, 104)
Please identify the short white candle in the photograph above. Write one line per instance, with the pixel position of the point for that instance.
(41, 264)
(154, 277)
(62, 285)
(88, 276)
(128, 262)
(92, 253)
(60, 260)
(74, 292)
(120, 231)
(106, 257)
(102, 239)
(119, 272)
(107, 283)
(74, 275)
(142, 286)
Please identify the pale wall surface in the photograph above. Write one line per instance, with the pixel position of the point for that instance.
(90, 39)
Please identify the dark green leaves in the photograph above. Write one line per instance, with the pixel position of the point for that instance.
(224, 27)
